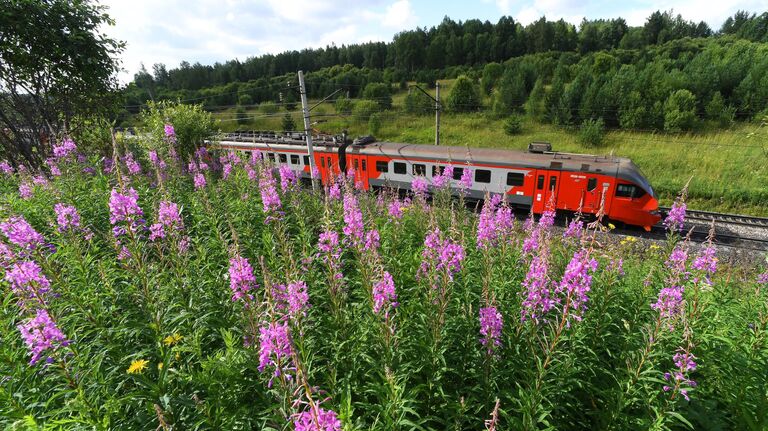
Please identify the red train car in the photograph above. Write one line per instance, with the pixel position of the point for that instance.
(527, 179)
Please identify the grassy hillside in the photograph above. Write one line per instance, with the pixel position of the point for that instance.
(727, 169)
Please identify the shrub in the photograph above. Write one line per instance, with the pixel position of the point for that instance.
(191, 123)
(343, 105)
(464, 96)
(241, 116)
(374, 124)
(267, 108)
(418, 103)
(245, 99)
(592, 132)
(680, 111)
(288, 124)
(380, 93)
(363, 109)
(513, 125)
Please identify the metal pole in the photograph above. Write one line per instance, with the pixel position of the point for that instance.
(437, 113)
(307, 128)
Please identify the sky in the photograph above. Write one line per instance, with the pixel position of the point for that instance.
(209, 31)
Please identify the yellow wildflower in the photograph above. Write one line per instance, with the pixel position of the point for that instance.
(611, 226)
(138, 366)
(172, 339)
(160, 366)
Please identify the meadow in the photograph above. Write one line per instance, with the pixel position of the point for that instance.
(725, 167)
(150, 292)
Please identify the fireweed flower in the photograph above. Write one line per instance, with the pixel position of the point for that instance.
(275, 348)
(706, 262)
(6, 256)
(574, 230)
(133, 166)
(41, 335)
(576, 284)
(170, 132)
(226, 170)
(444, 179)
(491, 324)
(288, 178)
(20, 233)
(25, 190)
(441, 255)
(297, 298)
(486, 224)
(317, 419)
(677, 262)
(53, 167)
(241, 278)
(669, 304)
(334, 191)
(64, 149)
(270, 200)
(109, 165)
(465, 183)
(28, 283)
(395, 209)
(6, 167)
(67, 217)
(420, 186)
(331, 252)
(353, 220)
(372, 240)
(538, 299)
(384, 296)
(124, 207)
(157, 161)
(685, 363)
(199, 181)
(675, 217)
(168, 218)
(762, 278)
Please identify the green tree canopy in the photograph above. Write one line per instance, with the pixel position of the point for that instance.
(55, 64)
(464, 96)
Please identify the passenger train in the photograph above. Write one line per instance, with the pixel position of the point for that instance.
(527, 179)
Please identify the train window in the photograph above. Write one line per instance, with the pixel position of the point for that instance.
(283, 158)
(306, 160)
(552, 182)
(591, 184)
(294, 159)
(515, 179)
(270, 156)
(482, 176)
(458, 173)
(363, 163)
(322, 162)
(437, 170)
(355, 164)
(382, 166)
(400, 168)
(540, 182)
(419, 169)
(330, 163)
(624, 190)
(629, 191)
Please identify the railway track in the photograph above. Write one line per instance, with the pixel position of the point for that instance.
(734, 219)
(733, 230)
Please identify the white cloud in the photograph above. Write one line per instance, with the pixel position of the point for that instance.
(208, 31)
(399, 15)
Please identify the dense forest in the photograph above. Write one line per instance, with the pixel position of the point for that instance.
(668, 74)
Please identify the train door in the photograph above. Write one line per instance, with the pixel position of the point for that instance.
(553, 183)
(591, 195)
(539, 192)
